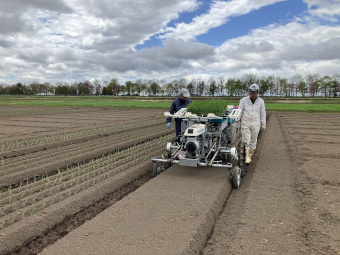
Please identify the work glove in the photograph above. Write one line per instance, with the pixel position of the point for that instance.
(168, 124)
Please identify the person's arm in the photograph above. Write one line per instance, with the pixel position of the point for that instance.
(241, 105)
(263, 116)
(172, 111)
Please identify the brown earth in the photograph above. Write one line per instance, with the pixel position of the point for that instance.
(288, 202)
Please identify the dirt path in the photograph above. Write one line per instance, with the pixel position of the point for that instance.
(171, 214)
(289, 201)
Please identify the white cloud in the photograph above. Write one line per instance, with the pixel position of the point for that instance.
(290, 47)
(73, 40)
(326, 9)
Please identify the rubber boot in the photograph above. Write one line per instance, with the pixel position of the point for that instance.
(251, 153)
(248, 158)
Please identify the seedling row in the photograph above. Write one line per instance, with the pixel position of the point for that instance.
(31, 197)
(26, 162)
(41, 140)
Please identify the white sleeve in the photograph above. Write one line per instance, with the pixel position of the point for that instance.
(263, 114)
(241, 105)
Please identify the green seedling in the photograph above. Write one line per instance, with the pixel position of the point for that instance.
(23, 213)
(33, 208)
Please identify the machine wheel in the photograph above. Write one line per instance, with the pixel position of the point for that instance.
(236, 174)
(242, 160)
(157, 169)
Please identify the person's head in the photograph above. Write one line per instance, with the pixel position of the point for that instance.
(253, 91)
(184, 94)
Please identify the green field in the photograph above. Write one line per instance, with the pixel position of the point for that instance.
(272, 104)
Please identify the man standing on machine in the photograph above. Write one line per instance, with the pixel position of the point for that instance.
(253, 119)
(181, 102)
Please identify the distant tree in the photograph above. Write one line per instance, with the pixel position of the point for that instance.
(325, 85)
(200, 87)
(294, 83)
(154, 88)
(123, 90)
(169, 88)
(312, 83)
(140, 86)
(116, 89)
(191, 88)
(230, 86)
(212, 86)
(176, 86)
(129, 87)
(97, 87)
(302, 88)
(112, 87)
(33, 88)
(283, 87)
(88, 88)
(220, 85)
(73, 88)
(238, 87)
(61, 89)
(44, 88)
(182, 83)
(18, 89)
(104, 91)
(2, 89)
(266, 84)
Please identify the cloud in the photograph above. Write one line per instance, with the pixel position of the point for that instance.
(12, 13)
(73, 40)
(326, 9)
(187, 50)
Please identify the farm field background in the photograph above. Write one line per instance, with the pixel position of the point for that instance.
(272, 103)
(62, 166)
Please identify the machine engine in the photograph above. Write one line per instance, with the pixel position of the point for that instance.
(193, 140)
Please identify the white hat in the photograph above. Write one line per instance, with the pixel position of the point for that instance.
(185, 92)
(254, 88)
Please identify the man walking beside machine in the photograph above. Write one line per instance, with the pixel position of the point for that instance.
(253, 120)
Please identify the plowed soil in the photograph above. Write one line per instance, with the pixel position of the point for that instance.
(288, 202)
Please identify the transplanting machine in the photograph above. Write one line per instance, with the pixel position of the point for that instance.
(207, 140)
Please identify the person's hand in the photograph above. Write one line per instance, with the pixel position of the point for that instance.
(263, 128)
(168, 124)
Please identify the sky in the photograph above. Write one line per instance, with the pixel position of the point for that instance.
(78, 40)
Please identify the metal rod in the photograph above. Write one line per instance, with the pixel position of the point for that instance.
(228, 165)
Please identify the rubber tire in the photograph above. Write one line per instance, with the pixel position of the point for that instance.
(156, 170)
(236, 174)
(242, 160)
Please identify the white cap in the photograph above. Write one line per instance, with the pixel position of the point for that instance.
(185, 92)
(254, 88)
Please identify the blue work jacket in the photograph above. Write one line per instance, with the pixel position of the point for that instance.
(176, 105)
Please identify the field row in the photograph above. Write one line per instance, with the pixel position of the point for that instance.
(17, 205)
(69, 136)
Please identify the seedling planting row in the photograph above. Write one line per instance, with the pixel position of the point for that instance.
(31, 197)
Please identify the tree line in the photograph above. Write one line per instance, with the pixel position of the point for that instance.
(296, 86)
